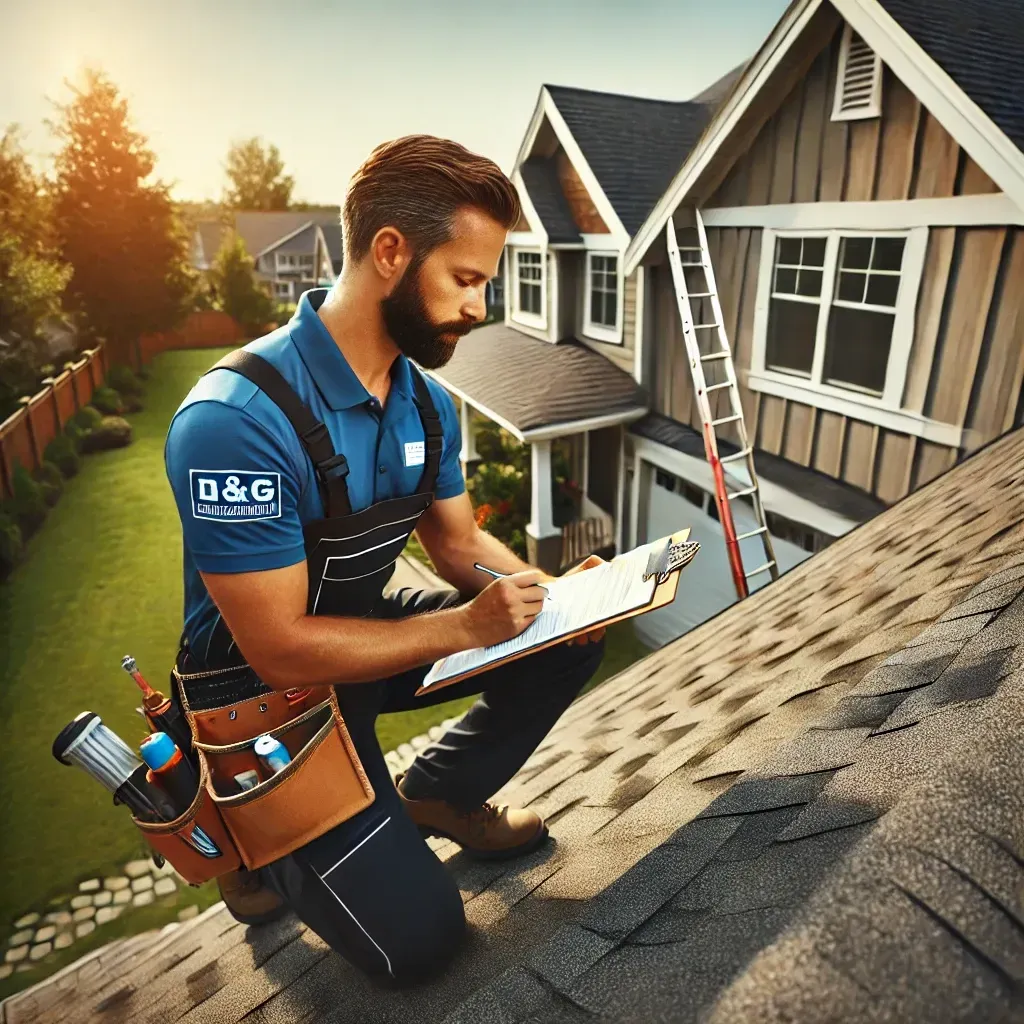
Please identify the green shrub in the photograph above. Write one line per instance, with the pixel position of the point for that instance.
(87, 417)
(113, 432)
(27, 504)
(11, 544)
(123, 380)
(108, 401)
(62, 451)
(51, 482)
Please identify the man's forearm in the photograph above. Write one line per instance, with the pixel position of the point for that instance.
(325, 650)
(454, 561)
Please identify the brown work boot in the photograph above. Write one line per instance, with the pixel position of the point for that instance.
(248, 899)
(486, 832)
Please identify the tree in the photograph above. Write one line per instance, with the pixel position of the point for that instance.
(239, 293)
(32, 278)
(256, 178)
(128, 249)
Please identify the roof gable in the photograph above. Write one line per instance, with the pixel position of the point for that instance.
(956, 110)
(633, 145)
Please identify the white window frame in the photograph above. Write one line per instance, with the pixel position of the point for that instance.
(847, 400)
(286, 284)
(601, 332)
(527, 318)
(873, 108)
(286, 261)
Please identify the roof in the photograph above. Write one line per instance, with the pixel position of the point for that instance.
(824, 491)
(540, 176)
(980, 45)
(810, 808)
(632, 145)
(717, 91)
(264, 230)
(532, 384)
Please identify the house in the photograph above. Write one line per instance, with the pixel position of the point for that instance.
(559, 370)
(810, 808)
(860, 181)
(862, 188)
(294, 250)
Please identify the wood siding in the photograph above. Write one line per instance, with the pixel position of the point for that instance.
(582, 207)
(966, 364)
(801, 155)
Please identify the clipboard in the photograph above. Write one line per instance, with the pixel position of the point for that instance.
(670, 556)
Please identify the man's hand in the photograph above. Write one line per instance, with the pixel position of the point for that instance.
(503, 609)
(595, 635)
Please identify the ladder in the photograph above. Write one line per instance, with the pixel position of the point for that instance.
(707, 345)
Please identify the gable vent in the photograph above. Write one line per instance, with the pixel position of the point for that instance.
(859, 82)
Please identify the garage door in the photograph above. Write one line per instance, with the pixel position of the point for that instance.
(705, 587)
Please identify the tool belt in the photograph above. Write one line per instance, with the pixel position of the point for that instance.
(323, 785)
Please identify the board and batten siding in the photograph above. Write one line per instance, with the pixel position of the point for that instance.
(967, 359)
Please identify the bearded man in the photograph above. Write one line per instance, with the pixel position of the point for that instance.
(300, 466)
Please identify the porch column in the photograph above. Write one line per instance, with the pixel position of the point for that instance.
(469, 453)
(543, 539)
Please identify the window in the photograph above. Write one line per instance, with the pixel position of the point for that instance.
(282, 289)
(859, 80)
(835, 311)
(602, 297)
(530, 286)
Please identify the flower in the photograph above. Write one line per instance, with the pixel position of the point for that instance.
(504, 507)
(483, 513)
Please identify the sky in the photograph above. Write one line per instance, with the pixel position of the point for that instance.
(328, 81)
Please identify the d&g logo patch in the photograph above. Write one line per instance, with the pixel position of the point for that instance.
(235, 495)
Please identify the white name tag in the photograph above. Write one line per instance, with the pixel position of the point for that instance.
(415, 453)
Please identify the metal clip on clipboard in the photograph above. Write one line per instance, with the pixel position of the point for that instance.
(662, 564)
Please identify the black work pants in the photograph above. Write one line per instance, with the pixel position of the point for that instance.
(371, 888)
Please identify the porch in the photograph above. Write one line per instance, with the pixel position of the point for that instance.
(569, 406)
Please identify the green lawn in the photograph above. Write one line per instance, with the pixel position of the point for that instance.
(102, 579)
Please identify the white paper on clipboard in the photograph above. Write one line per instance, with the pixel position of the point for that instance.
(576, 602)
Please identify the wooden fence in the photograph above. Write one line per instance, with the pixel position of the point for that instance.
(25, 434)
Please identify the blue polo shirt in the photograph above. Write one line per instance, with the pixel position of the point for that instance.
(242, 480)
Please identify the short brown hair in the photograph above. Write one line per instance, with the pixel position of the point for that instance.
(416, 184)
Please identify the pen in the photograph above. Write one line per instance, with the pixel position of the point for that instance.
(501, 575)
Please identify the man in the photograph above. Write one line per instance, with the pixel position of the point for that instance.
(263, 495)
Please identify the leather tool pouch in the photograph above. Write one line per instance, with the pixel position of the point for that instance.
(323, 785)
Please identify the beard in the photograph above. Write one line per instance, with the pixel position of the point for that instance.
(407, 322)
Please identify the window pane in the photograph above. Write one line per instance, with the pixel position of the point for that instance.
(529, 297)
(855, 254)
(791, 330)
(788, 251)
(857, 348)
(883, 289)
(851, 287)
(888, 253)
(814, 252)
(609, 309)
(785, 281)
(810, 283)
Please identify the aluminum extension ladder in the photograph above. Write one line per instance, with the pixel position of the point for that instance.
(694, 256)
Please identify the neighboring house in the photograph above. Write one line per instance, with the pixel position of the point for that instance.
(294, 250)
(862, 183)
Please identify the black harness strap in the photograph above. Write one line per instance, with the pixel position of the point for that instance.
(331, 469)
(432, 430)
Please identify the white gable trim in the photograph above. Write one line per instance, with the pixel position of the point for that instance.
(962, 118)
(536, 120)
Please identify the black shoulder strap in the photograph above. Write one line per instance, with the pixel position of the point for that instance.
(331, 469)
(432, 430)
